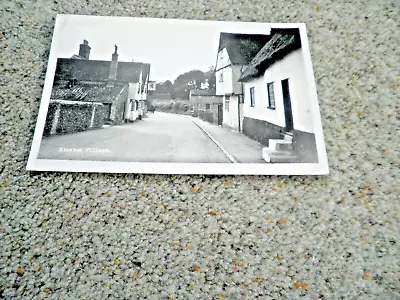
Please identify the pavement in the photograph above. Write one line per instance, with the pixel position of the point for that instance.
(242, 148)
(161, 137)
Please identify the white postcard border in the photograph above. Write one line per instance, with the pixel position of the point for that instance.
(320, 168)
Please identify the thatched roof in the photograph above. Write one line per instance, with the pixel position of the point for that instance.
(242, 48)
(281, 44)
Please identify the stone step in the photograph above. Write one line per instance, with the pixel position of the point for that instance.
(272, 143)
(284, 147)
(281, 156)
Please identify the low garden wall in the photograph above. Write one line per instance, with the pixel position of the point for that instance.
(70, 117)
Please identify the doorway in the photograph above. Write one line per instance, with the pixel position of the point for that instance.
(107, 112)
(220, 114)
(287, 104)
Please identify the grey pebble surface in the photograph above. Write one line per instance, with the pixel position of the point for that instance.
(98, 236)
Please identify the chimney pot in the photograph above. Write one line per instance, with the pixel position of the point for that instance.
(84, 49)
(114, 65)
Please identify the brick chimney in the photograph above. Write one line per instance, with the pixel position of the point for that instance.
(84, 49)
(114, 65)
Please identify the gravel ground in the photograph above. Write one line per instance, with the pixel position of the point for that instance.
(93, 236)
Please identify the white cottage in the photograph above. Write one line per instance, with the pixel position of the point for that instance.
(235, 52)
(136, 107)
(277, 109)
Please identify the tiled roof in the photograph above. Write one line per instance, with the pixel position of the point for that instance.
(97, 70)
(281, 43)
(87, 92)
(128, 71)
(242, 47)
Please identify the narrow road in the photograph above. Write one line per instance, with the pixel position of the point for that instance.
(160, 137)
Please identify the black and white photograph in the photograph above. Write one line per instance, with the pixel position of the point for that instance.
(140, 95)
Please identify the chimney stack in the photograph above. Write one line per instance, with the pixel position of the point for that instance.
(114, 65)
(84, 49)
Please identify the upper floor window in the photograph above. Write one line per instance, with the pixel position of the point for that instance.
(271, 95)
(221, 77)
(208, 106)
(252, 97)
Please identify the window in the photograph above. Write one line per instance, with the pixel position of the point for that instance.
(221, 77)
(271, 95)
(227, 98)
(252, 97)
(208, 106)
(241, 98)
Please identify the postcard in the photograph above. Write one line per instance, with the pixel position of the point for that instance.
(169, 96)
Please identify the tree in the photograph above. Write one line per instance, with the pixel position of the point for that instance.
(185, 82)
(168, 84)
(188, 81)
(164, 87)
(210, 75)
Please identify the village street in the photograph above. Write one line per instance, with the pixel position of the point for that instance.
(161, 137)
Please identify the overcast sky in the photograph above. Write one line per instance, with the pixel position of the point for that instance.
(172, 47)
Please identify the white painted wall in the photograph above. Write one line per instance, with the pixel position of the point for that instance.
(127, 109)
(230, 118)
(291, 67)
(236, 85)
(144, 94)
(135, 93)
(224, 87)
(132, 111)
(138, 94)
(222, 59)
(231, 74)
(132, 92)
(224, 68)
(133, 115)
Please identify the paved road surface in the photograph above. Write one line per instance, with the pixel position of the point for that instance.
(160, 137)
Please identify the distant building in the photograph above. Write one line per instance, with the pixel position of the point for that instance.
(277, 109)
(206, 105)
(235, 51)
(88, 93)
(205, 85)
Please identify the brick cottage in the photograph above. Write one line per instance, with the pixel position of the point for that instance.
(90, 93)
